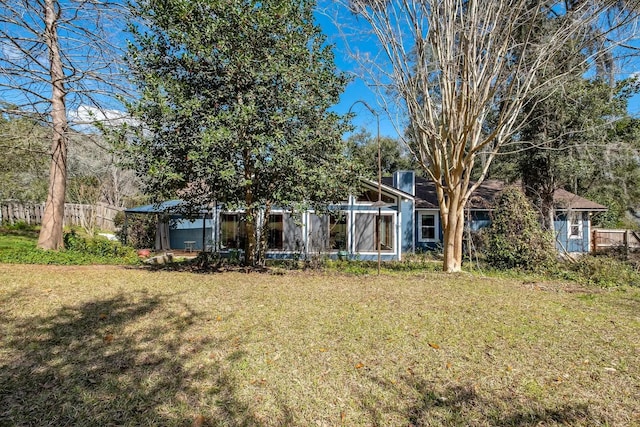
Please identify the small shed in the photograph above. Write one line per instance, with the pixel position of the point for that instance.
(177, 230)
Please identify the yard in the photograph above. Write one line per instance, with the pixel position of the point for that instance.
(103, 345)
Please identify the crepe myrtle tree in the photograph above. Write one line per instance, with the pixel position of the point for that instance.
(234, 108)
(453, 64)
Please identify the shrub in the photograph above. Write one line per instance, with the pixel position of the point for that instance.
(97, 246)
(140, 231)
(515, 238)
(16, 247)
(605, 271)
(20, 225)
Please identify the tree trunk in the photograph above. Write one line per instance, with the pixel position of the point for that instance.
(51, 232)
(452, 218)
(264, 236)
(453, 234)
(251, 216)
(250, 246)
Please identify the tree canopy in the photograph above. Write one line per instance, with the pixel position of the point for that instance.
(235, 107)
(363, 149)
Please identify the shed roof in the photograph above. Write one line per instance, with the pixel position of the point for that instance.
(168, 207)
(163, 207)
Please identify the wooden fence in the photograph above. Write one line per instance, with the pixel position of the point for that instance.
(609, 239)
(87, 216)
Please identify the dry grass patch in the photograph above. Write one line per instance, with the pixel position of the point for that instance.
(115, 346)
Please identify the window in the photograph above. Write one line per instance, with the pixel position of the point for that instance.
(275, 232)
(318, 233)
(367, 229)
(338, 233)
(372, 196)
(574, 225)
(233, 232)
(428, 227)
(385, 231)
(327, 232)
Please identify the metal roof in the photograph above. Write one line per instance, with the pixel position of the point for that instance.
(177, 207)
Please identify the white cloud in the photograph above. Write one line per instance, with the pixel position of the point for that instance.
(86, 116)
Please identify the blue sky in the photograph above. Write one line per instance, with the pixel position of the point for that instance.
(358, 90)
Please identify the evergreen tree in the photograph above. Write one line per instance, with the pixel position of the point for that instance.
(363, 149)
(235, 99)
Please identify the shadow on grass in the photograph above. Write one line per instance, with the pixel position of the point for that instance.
(116, 361)
(461, 405)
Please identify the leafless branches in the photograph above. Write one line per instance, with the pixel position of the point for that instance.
(91, 51)
(450, 67)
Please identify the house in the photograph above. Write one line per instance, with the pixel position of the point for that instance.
(409, 223)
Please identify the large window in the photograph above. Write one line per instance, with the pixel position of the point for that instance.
(428, 227)
(338, 232)
(574, 225)
(233, 232)
(275, 236)
(318, 233)
(367, 230)
(327, 232)
(372, 196)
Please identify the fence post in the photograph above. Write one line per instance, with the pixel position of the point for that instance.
(626, 241)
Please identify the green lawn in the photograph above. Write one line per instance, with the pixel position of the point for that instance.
(99, 346)
(18, 246)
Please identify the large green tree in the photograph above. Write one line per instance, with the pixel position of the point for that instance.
(363, 149)
(570, 140)
(235, 107)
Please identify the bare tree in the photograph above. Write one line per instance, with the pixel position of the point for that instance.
(460, 71)
(56, 57)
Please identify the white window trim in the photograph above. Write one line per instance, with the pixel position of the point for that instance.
(436, 225)
(572, 218)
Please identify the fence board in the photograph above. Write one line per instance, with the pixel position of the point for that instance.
(606, 239)
(100, 216)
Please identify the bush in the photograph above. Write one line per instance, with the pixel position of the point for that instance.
(515, 238)
(97, 246)
(605, 271)
(140, 232)
(19, 225)
(16, 247)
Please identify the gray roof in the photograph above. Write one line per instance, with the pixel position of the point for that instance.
(484, 197)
